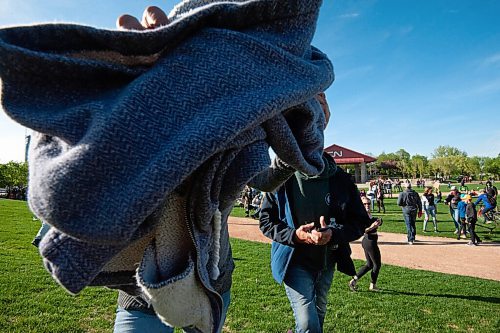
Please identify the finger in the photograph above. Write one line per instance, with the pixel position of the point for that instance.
(128, 22)
(307, 227)
(154, 17)
(322, 221)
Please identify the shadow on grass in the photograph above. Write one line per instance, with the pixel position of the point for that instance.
(494, 300)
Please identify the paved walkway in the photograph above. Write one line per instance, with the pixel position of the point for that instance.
(437, 254)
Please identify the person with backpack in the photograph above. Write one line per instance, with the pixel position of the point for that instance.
(410, 203)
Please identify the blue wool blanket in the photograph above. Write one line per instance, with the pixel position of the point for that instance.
(123, 118)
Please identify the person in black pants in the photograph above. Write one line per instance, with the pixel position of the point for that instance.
(372, 252)
(471, 216)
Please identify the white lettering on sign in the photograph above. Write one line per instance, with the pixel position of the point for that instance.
(337, 153)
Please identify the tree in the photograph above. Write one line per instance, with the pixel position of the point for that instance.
(447, 151)
(387, 164)
(448, 160)
(492, 166)
(403, 162)
(14, 174)
(419, 164)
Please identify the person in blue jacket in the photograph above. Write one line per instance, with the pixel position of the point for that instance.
(461, 206)
(310, 220)
(488, 198)
(296, 218)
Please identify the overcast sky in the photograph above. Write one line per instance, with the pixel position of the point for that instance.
(409, 74)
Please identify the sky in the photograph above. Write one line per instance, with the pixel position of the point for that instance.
(409, 75)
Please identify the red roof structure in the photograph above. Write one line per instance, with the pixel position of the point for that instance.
(343, 155)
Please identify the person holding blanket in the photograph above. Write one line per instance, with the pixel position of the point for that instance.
(143, 141)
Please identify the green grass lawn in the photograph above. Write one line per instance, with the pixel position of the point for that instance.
(411, 300)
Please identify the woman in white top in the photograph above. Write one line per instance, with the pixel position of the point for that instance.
(429, 208)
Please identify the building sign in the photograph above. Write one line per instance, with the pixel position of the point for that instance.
(337, 153)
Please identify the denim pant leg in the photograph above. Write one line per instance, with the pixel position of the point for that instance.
(323, 285)
(455, 216)
(410, 218)
(44, 228)
(307, 292)
(134, 321)
(427, 214)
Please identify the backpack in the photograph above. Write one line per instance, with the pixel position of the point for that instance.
(491, 200)
(412, 199)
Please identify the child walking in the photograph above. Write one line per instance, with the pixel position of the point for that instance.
(372, 252)
(471, 215)
(462, 205)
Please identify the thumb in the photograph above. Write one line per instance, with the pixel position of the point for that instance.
(322, 221)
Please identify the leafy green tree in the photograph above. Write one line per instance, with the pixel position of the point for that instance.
(448, 160)
(404, 162)
(492, 166)
(447, 151)
(13, 174)
(386, 164)
(420, 165)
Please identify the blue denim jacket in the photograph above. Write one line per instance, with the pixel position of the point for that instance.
(276, 220)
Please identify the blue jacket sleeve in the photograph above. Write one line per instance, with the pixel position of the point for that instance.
(270, 223)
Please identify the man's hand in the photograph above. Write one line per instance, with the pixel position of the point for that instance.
(303, 234)
(322, 236)
(152, 18)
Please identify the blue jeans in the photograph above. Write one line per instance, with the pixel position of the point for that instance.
(410, 217)
(430, 211)
(307, 292)
(135, 321)
(455, 215)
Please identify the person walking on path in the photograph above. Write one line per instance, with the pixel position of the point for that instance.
(372, 252)
(379, 195)
(462, 205)
(410, 203)
(471, 215)
(452, 200)
(295, 218)
(429, 208)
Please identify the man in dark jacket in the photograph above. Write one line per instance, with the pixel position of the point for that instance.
(411, 205)
(311, 221)
(307, 218)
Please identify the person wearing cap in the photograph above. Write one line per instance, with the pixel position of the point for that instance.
(410, 203)
(452, 201)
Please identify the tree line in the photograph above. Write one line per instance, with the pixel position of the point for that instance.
(446, 162)
(13, 174)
